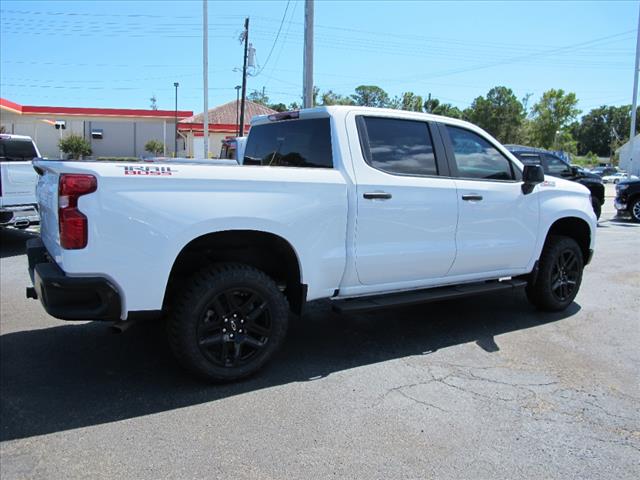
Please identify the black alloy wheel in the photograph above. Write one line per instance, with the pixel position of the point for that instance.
(564, 275)
(559, 275)
(235, 327)
(635, 210)
(229, 320)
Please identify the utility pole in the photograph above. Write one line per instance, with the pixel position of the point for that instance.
(244, 75)
(634, 103)
(175, 143)
(307, 72)
(205, 67)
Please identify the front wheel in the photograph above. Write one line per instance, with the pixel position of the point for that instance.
(635, 210)
(559, 274)
(228, 322)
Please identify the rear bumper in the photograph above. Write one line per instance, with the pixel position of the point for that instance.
(19, 216)
(69, 298)
(619, 204)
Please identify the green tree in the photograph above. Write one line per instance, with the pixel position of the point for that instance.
(564, 141)
(555, 111)
(447, 110)
(258, 96)
(370, 96)
(331, 98)
(500, 113)
(412, 102)
(603, 129)
(431, 104)
(75, 146)
(278, 107)
(154, 147)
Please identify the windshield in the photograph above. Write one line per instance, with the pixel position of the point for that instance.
(17, 150)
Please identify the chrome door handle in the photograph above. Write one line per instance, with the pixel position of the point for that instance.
(377, 195)
(472, 197)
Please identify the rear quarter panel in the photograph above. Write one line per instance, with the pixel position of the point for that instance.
(138, 224)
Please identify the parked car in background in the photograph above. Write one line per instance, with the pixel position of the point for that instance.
(233, 149)
(602, 171)
(627, 199)
(559, 167)
(18, 181)
(617, 177)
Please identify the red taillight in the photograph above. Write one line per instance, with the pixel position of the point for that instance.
(73, 223)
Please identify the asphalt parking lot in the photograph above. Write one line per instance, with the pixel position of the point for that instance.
(481, 388)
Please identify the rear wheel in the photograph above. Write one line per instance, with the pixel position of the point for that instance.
(228, 322)
(559, 274)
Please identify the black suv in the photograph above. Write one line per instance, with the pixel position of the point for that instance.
(628, 198)
(558, 167)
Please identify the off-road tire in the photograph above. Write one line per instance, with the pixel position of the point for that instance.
(635, 210)
(559, 274)
(202, 307)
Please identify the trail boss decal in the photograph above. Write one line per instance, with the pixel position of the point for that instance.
(148, 171)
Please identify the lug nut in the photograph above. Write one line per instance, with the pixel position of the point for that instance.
(224, 330)
(242, 320)
(231, 336)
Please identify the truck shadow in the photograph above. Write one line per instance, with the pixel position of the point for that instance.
(13, 242)
(78, 375)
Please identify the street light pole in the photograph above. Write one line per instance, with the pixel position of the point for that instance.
(205, 68)
(175, 143)
(238, 87)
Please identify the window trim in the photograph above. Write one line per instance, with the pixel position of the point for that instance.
(453, 166)
(436, 143)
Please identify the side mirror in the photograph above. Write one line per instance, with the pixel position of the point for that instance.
(531, 176)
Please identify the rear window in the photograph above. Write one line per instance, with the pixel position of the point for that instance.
(16, 150)
(293, 143)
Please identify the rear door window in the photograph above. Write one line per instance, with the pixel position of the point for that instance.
(291, 143)
(16, 150)
(397, 146)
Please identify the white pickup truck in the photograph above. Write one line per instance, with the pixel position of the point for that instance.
(17, 181)
(367, 207)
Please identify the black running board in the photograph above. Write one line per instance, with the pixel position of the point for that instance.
(423, 296)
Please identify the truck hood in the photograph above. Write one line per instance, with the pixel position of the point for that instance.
(560, 184)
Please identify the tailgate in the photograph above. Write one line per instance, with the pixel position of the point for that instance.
(47, 197)
(18, 182)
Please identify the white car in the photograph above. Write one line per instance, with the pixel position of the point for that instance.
(367, 207)
(618, 177)
(18, 181)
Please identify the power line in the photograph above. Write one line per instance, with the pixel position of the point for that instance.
(275, 41)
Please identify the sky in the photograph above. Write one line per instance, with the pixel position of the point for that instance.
(119, 53)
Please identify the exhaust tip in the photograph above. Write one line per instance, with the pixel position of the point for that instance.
(120, 326)
(22, 224)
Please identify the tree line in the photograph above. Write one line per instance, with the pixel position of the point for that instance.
(550, 123)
